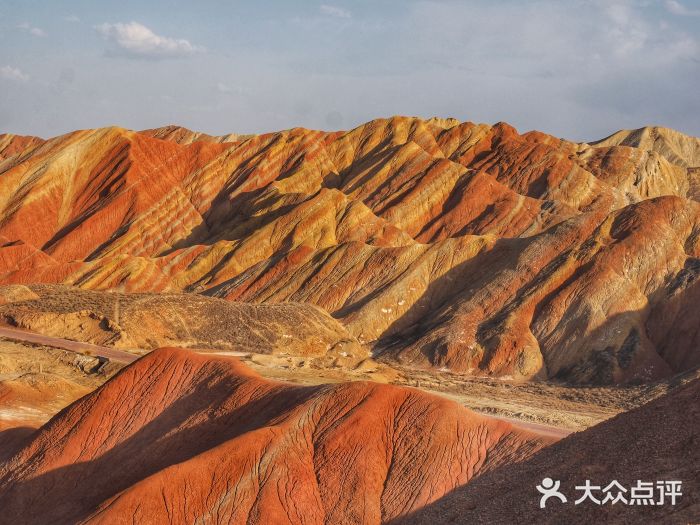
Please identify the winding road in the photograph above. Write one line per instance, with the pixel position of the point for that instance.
(103, 352)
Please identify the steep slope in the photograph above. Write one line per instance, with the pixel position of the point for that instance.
(13, 145)
(633, 446)
(676, 147)
(577, 301)
(186, 438)
(441, 243)
(654, 158)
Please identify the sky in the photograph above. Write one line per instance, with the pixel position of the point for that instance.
(579, 69)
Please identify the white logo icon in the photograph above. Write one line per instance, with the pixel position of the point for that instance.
(549, 489)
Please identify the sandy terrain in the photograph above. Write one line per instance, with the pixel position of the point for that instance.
(544, 407)
(38, 381)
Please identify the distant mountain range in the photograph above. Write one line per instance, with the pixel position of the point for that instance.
(434, 242)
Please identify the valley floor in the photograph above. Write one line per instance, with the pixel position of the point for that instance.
(32, 366)
(545, 407)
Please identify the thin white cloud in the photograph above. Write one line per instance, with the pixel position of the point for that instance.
(13, 73)
(677, 8)
(228, 89)
(35, 31)
(626, 29)
(580, 73)
(136, 39)
(332, 10)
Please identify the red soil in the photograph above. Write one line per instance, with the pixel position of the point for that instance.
(181, 437)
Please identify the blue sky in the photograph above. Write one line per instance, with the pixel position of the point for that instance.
(579, 69)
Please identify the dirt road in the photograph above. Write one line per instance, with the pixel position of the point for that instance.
(103, 352)
(487, 401)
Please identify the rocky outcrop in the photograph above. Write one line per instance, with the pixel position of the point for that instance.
(185, 438)
(436, 242)
(149, 321)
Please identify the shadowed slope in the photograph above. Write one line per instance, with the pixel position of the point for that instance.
(658, 441)
(183, 437)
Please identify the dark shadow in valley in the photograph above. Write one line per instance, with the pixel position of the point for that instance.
(13, 439)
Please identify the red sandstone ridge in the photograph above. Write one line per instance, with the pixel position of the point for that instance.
(14, 145)
(457, 245)
(187, 136)
(184, 438)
